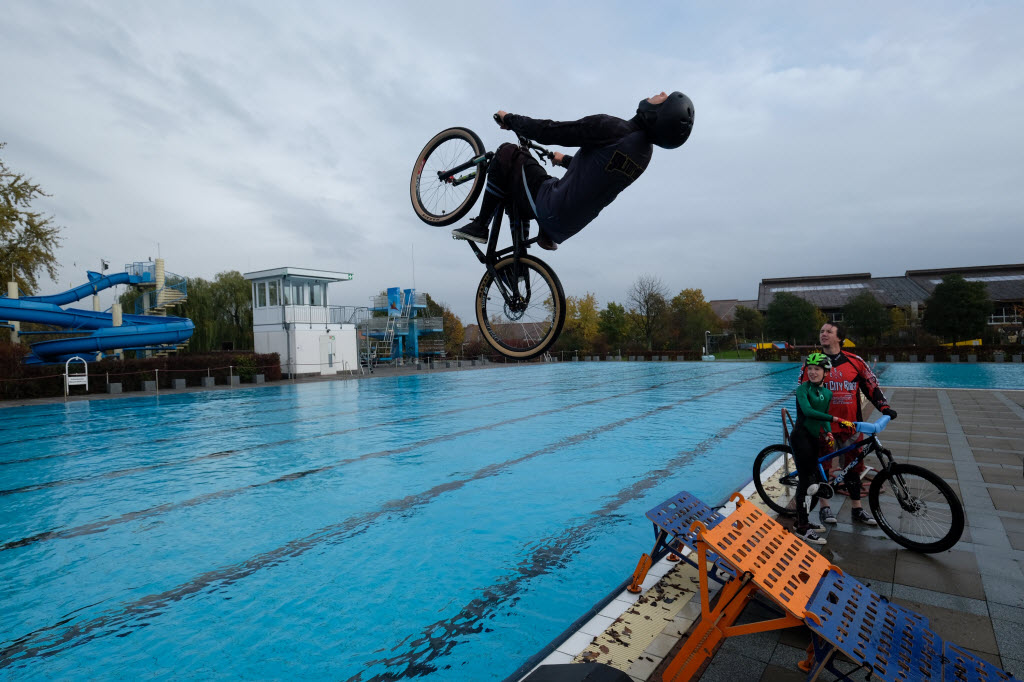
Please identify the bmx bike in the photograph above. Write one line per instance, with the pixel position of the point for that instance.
(520, 304)
(923, 514)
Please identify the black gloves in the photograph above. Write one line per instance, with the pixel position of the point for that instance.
(889, 412)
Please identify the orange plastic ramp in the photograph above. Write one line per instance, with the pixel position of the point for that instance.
(782, 565)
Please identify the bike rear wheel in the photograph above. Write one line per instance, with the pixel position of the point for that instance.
(776, 481)
(922, 512)
(439, 197)
(520, 311)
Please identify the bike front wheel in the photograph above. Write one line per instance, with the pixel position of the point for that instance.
(775, 478)
(922, 512)
(448, 176)
(520, 307)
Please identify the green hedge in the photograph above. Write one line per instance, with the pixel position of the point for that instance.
(19, 381)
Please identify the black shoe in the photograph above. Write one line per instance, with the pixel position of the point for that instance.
(545, 243)
(477, 231)
(810, 537)
(861, 516)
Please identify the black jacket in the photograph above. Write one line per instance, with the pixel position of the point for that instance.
(613, 153)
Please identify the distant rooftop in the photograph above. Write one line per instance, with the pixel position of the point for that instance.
(304, 273)
(1004, 283)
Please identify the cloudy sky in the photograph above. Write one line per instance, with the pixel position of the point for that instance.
(250, 135)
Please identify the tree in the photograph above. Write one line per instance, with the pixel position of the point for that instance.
(454, 332)
(747, 323)
(691, 316)
(28, 239)
(792, 318)
(581, 322)
(866, 319)
(957, 309)
(221, 311)
(647, 308)
(613, 324)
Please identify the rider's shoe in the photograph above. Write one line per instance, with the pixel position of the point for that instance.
(477, 230)
(545, 243)
(861, 516)
(811, 538)
(826, 515)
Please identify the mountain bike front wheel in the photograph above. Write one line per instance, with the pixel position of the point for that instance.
(776, 480)
(916, 508)
(521, 308)
(448, 176)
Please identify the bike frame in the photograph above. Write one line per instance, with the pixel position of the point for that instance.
(520, 228)
(867, 446)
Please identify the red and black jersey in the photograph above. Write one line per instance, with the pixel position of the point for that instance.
(849, 377)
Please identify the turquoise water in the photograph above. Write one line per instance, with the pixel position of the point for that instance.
(961, 375)
(443, 526)
(447, 525)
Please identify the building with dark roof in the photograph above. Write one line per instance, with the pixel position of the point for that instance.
(830, 293)
(726, 308)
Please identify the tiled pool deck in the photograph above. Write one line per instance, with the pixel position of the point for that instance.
(972, 595)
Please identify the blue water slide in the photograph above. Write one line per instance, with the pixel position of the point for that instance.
(136, 330)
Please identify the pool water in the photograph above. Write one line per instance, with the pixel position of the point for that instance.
(1004, 376)
(445, 526)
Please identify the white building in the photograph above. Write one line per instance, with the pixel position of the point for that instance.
(291, 316)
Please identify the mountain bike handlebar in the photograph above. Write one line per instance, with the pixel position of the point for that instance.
(873, 427)
(528, 144)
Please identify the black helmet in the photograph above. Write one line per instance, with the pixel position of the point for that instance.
(667, 124)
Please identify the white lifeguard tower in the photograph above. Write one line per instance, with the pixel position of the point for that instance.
(291, 316)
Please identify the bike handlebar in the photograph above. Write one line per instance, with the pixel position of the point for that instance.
(873, 427)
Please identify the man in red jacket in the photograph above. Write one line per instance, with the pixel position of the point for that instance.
(850, 376)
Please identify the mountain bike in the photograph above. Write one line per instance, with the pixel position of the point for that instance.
(923, 512)
(520, 304)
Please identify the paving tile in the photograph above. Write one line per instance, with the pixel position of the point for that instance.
(963, 629)
(924, 438)
(1009, 613)
(1014, 666)
(1009, 591)
(1016, 540)
(931, 452)
(1009, 636)
(729, 668)
(1007, 500)
(1002, 475)
(977, 607)
(868, 557)
(953, 559)
(998, 564)
(939, 579)
(1011, 459)
(774, 673)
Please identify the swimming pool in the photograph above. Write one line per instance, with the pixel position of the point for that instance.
(1003, 376)
(444, 526)
(447, 525)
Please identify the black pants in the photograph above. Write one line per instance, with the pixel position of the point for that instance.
(513, 177)
(805, 453)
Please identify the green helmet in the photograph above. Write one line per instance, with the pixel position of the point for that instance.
(819, 360)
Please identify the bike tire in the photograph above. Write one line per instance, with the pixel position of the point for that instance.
(928, 493)
(436, 201)
(527, 333)
(762, 480)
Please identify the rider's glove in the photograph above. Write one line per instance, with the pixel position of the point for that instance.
(889, 412)
(846, 425)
